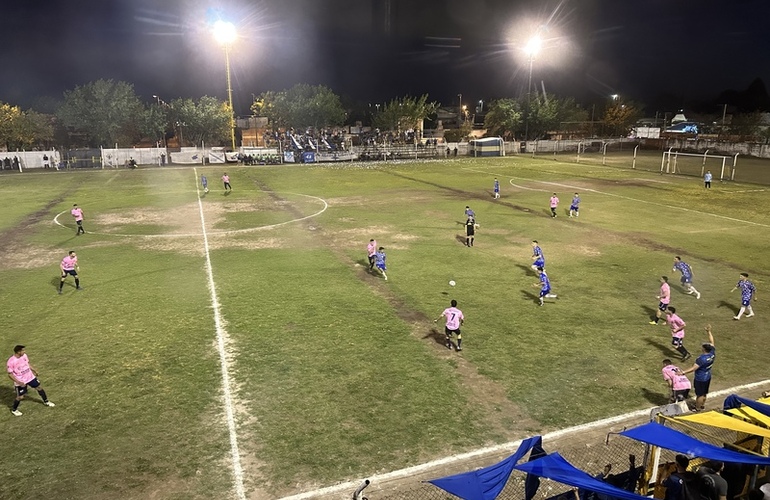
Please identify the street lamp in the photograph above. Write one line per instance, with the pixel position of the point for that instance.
(531, 49)
(224, 33)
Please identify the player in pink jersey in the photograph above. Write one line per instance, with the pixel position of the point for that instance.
(226, 182)
(554, 203)
(678, 383)
(664, 298)
(454, 320)
(77, 213)
(371, 250)
(69, 266)
(23, 375)
(677, 325)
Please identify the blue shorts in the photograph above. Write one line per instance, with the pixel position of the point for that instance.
(574, 207)
(381, 266)
(746, 302)
(662, 307)
(701, 388)
(22, 390)
(544, 291)
(676, 341)
(685, 280)
(539, 263)
(69, 271)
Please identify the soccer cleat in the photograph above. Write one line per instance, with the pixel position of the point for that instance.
(686, 356)
(750, 315)
(59, 291)
(736, 318)
(449, 345)
(79, 288)
(697, 295)
(16, 413)
(653, 322)
(459, 348)
(49, 403)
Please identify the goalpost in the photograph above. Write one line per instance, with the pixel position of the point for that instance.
(696, 164)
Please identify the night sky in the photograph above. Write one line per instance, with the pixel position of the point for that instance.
(651, 51)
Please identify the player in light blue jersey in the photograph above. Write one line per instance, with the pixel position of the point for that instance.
(545, 286)
(379, 262)
(497, 188)
(575, 206)
(686, 279)
(748, 291)
(538, 259)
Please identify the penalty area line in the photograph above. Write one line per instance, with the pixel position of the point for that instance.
(223, 339)
(505, 447)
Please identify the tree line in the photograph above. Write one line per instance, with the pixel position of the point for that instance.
(108, 112)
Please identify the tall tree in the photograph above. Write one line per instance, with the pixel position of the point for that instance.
(9, 124)
(301, 106)
(204, 121)
(504, 118)
(402, 114)
(620, 117)
(102, 113)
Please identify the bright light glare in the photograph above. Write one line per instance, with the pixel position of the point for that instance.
(224, 32)
(614, 97)
(533, 45)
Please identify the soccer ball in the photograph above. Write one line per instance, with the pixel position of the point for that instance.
(205, 190)
(452, 283)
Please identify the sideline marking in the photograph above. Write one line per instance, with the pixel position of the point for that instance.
(222, 340)
(510, 446)
(224, 231)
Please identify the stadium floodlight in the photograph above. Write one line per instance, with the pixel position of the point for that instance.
(531, 49)
(225, 34)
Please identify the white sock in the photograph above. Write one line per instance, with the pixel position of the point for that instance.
(750, 310)
(740, 313)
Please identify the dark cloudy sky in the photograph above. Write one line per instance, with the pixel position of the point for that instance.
(640, 49)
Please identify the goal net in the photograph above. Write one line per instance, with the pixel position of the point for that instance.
(697, 164)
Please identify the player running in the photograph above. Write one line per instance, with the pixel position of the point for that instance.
(545, 286)
(454, 320)
(379, 262)
(204, 183)
(371, 250)
(575, 206)
(553, 203)
(748, 291)
(663, 299)
(226, 182)
(77, 213)
(677, 325)
(538, 259)
(686, 279)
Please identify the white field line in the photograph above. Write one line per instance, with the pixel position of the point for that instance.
(223, 339)
(673, 207)
(231, 231)
(505, 447)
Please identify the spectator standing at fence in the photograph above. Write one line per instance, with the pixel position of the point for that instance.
(554, 204)
(454, 153)
(676, 482)
(748, 291)
(664, 298)
(16, 163)
(23, 375)
(702, 370)
(77, 213)
(226, 182)
(713, 485)
(46, 163)
(707, 179)
(497, 188)
(678, 384)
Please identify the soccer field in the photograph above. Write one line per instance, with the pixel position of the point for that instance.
(333, 374)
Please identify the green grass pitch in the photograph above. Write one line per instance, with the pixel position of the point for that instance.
(335, 374)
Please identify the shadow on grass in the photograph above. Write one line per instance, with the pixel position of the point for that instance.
(227, 193)
(526, 269)
(733, 308)
(664, 348)
(460, 238)
(7, 394)
(651, 311)
(655, 398)
(437, 336)
(530, 296)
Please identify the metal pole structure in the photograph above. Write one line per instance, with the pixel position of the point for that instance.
(230, 96)
(633, 164)
(529, 97)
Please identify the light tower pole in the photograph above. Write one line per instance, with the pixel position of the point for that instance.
(225, 34)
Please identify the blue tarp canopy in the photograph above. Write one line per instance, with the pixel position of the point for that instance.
(670, 439)
(555, 467)
(486, 483)
(735, 401)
